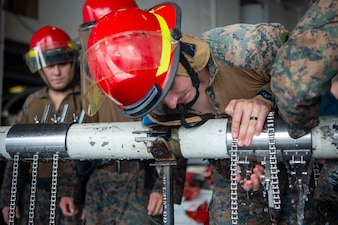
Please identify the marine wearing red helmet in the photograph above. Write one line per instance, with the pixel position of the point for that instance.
(49, 46)
(134, 62)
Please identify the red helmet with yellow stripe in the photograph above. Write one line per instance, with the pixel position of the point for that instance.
(133, 56)
(48, 46)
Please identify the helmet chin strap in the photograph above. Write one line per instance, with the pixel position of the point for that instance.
(196, 83)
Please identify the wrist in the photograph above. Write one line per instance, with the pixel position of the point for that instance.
(267, 96)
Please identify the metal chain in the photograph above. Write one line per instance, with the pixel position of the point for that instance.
(12, 204)
(233, 181)
(274, 182)
(32, 198)
(53, 188)
(316, 172)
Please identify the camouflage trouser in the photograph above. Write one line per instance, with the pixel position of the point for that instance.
(42, 206)
(117, 199)
(321, 202)
(252, 208)
(290, 201)
(326, 193)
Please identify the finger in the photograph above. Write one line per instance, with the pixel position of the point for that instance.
(83, 214)
(150, 207)
(244, 121)
(156, 208)
(255, 182)
(257, 120)
(250, 132)
(248, 185)
(17, 213)
(229, 109)
(239, 179)
(236, 118)
(258, 169)
(159, 208)
(261, 120)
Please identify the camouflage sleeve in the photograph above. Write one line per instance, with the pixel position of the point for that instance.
(6, 185)
(305, 66)
(72, 184)
(246, 46)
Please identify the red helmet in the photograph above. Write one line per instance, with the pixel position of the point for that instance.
(95, 9)
(134, 62)
(48, 46)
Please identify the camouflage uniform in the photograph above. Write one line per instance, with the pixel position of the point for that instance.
(34, 106)
(239, 58)
(305, 66)
(120, 196)
(301, 74)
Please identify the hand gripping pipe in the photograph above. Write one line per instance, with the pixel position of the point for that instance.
(130, 140)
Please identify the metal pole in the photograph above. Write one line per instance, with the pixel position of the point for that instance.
(117, 140)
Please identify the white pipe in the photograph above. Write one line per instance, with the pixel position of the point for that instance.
(3, 135)
(118, 140)
(106, 140)
(207, 141)
(325, 138)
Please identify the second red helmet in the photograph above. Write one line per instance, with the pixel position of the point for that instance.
(48, 46)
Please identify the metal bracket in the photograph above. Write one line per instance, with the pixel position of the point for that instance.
(157, 145)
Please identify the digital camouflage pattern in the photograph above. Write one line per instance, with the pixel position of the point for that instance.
(233, 69)
(305, 66)
(34, 106)
(118, 198)
(252, 208)
(121, 198)
(289, 189)
(236, 69)
(247, 46)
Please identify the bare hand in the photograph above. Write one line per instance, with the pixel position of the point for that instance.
(67, 206)
(254, 182)
(155, 205)
(83, 215)
(248, 117)
(5, 213)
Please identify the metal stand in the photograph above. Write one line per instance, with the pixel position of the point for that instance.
(159, 148)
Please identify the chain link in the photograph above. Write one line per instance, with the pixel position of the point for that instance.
(12, 204)
(273, 161)
(53, 188)
(233, 181)
(273, 185)
(316, 172)
(35, 165)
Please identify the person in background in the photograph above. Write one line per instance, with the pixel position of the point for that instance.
(117, 191)
(151, 70)
(55, 57)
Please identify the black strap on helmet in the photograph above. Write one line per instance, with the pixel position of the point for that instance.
(196, 83)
